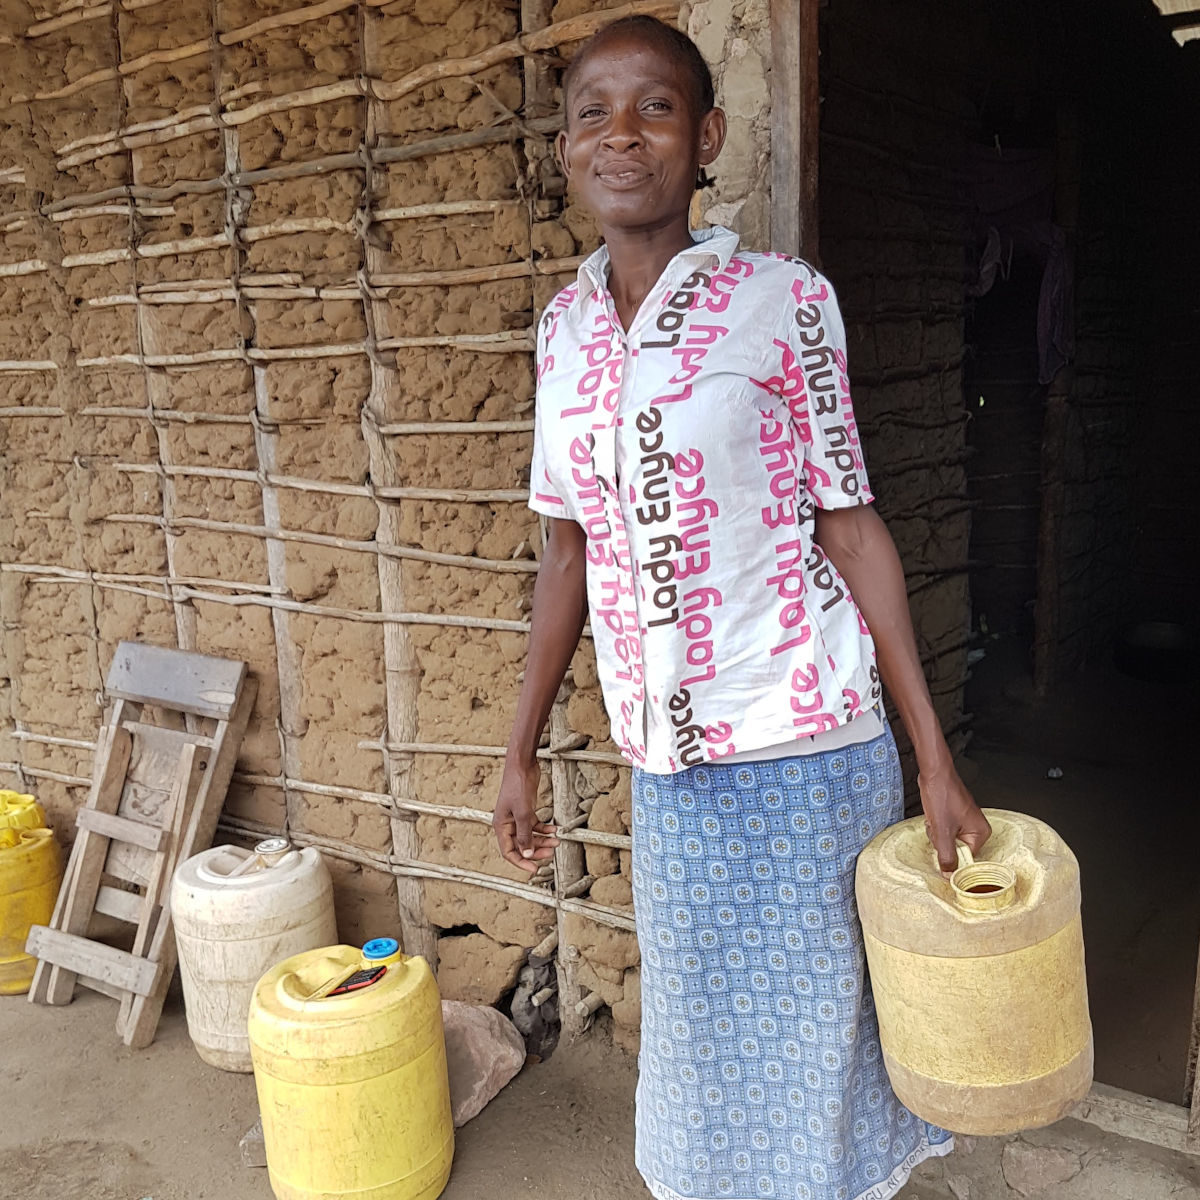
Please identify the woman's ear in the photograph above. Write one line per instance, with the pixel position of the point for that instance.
(712, 135)
(562, 147)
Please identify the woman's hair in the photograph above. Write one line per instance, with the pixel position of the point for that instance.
(671, 41)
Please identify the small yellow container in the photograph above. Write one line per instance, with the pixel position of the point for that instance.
(350, 1066)
(20, 811)
(979, 979)
(30, 874)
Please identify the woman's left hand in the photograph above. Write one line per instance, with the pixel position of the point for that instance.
(951, 814)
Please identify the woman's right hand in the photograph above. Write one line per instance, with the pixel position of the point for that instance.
(524, 841)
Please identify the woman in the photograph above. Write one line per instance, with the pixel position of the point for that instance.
(697, 456)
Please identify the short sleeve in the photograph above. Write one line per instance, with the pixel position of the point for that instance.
(836, 475)
(544, 494)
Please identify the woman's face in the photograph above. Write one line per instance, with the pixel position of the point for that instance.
(634, 141)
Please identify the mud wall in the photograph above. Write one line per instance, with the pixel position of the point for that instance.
(267, 290)
(267, 287)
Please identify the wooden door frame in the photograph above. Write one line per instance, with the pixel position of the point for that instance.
(795, 122)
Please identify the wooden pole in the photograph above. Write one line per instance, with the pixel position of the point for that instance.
(795, 127)
(402, 673)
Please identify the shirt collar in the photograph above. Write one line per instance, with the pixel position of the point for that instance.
(715, 242)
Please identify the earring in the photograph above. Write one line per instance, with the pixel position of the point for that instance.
(703, 179)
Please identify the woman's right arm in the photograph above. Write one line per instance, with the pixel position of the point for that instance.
(559, 611)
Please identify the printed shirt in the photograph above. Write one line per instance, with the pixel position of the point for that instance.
(693, 449)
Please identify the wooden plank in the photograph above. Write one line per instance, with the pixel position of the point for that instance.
(138, 1018)
(122, 829)
(1130, 1115)
(192, 683)
(118, 904)
(161, 735)
(184, 807)
(148, 786)
(99, 985)
(795, 127)
(129, 864)
(1170, 8)
(84, 957)
(55, 984)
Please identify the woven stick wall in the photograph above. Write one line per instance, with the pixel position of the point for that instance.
(267, 293)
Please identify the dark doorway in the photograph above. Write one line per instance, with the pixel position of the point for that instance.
(1005, 403)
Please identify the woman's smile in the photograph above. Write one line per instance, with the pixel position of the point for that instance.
(624, 174)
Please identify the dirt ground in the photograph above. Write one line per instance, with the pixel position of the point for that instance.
(87, 1119)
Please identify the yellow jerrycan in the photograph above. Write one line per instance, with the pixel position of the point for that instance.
(978, 979)
(30, 873)
(20, 811)
(350, 1066)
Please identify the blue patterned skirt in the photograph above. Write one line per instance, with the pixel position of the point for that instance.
(760, 1067)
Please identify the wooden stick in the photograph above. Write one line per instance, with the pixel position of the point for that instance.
(284, 20)
(44, 773)
(589, 1004)
(574, 29)
(194, 49)
(540, 998)
(445, 208)
(113, 210)
(137, 192)
(578, 888)
(368, 618)
(602, 914)
(268, 599)
(33, 364)
(483, 343)
(31, 266)
(33, 410)
(507, 566)
(67, 19)
(322, 93)
(546, 947)
(514, 270)
(45, 739)
(183, 416)
(455, 427)
(99, 139)
(449, 142)
(463, 495)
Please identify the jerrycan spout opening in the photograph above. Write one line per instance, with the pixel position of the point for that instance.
(982, 887)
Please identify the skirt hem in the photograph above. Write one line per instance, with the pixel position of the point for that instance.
(884, 1190)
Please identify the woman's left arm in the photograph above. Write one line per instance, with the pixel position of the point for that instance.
(858, 544)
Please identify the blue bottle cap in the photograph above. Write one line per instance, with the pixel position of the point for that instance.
(380, 948)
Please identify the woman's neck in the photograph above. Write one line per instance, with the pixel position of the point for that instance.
(637, 261)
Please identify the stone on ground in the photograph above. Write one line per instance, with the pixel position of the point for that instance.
(1034, 1170)
(484, 1051)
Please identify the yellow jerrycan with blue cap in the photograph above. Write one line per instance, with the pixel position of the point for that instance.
(350, 1066)
(30, 874)
(979, 979)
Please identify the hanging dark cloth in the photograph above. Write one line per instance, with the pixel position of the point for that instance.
(1014, 200)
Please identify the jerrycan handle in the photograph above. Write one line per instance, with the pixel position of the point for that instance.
(266, 854)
